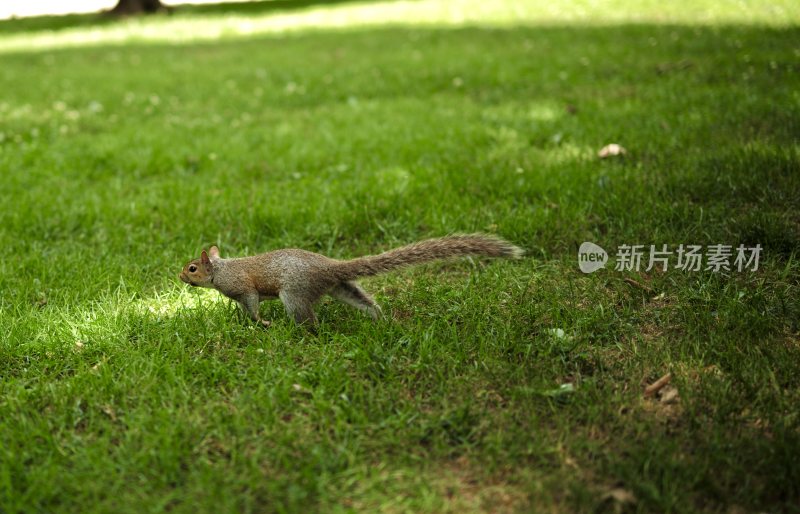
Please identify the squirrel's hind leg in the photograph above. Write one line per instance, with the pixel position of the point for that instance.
(299, 308)
(352, 294)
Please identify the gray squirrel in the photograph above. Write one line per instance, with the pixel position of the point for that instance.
(299, 277)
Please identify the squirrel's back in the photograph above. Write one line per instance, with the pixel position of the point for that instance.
(271, 272)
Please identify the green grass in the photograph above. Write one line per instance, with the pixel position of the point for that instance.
(123, 391)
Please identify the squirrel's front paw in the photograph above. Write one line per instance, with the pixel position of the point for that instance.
(265, 323)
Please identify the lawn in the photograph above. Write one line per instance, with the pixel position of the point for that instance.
(128, 146)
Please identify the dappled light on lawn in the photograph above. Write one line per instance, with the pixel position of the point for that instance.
(107, 320)
(187, 26)
(171, 302)
(350, 128)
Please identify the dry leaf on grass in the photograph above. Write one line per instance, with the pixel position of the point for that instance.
(108, 410)
(669, 395)
(297, 388)
(620, 496)
(611, 150)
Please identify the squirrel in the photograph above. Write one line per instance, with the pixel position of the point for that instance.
(300, 278)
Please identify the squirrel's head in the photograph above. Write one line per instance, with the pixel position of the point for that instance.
(200, 272)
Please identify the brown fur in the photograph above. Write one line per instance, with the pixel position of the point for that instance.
(299, 278)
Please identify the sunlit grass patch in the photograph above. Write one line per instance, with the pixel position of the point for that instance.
(171, 302)
(189, 26)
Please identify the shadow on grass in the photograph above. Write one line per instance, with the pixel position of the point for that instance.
(99, 19)
(259, 8)
(467, 118)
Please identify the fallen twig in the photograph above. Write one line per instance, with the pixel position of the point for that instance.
(656, 386)
(638, 284)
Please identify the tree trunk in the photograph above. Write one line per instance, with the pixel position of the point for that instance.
(138, 7)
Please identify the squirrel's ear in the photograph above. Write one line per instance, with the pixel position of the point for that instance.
(213, 252)
(204, 258)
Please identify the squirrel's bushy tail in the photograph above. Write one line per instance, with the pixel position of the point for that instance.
(428, 250)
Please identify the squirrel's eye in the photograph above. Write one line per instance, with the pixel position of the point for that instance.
(192, 268)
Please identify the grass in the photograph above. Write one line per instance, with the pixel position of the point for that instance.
(123, 391)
